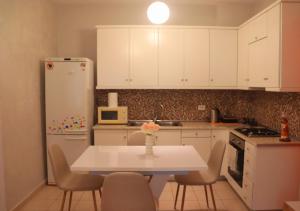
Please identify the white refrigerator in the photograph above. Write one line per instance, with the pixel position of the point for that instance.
(69, 98)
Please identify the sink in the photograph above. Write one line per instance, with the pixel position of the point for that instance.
(137, 122)
(169, 123)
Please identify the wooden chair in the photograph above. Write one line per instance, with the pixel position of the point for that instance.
(68, 181)
(127, 192)
(206, 177)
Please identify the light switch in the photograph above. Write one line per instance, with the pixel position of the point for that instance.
(201, 107)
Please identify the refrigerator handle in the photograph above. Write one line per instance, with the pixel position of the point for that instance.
(69, 138)
(75, 131)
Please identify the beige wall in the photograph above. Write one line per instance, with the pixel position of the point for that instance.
(2, 179)
(76, 23)
(27, 35)
(262, 4)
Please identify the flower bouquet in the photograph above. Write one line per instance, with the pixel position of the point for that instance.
(149, 129)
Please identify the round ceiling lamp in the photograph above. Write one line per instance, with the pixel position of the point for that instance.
(158, 12)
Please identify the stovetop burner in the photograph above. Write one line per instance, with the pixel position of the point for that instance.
(258, 132)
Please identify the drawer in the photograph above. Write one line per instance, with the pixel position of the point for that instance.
(249, 161)
(249, 173)
(250, 149)
(196, 133)
(247, 192)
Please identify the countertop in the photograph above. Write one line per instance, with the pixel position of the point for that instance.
(195, 125)
(186, 125)
(263, 141)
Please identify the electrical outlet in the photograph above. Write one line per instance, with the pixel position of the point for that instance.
(201, 107)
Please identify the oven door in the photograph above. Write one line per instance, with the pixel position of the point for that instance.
(236, 160)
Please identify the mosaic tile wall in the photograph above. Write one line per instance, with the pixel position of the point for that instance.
(265, 107)
(178, 104)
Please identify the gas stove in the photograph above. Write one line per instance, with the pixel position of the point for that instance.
(258, 132)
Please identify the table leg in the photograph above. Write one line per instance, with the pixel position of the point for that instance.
(157, 184)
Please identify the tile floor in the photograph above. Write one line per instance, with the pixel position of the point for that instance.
(49, 199)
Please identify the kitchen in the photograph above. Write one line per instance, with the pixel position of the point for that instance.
(63, 29)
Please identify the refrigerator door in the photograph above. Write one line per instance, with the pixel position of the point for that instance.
(72, 146)
(67, 90)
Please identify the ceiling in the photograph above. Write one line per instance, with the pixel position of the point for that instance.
(169, 1)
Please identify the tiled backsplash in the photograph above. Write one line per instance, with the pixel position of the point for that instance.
(178, 104)
(265, 107)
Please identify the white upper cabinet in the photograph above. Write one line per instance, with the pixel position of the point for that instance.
(243, 57)
(258, 29)
(171, 57)
(143, 71)
(113, 57)
(196, 57)
(264, 50)
(273, 45)
(141, 57)
(223, 58)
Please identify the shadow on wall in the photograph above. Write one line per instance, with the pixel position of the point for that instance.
(88, 44)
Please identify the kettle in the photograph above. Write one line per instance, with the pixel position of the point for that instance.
(215, 115)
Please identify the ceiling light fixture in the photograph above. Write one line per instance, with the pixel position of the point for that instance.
(158, 12)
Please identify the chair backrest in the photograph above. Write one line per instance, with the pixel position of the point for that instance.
(216, 159)
(127, 192)
(59, 164)
(137, 139)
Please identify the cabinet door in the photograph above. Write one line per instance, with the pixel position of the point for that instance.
(264, 54)
(110, 137)
(202, 146)
(170, 58)
(196, 57)
(223, 58)
(258, 28)
(243, 57)
(113, 57)
(168, 137)
(144, 70)
(221, 135)
(258, 63)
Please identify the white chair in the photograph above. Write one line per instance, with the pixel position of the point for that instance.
(68, 181)
(207, 177)
(126, 192)
(137, 138)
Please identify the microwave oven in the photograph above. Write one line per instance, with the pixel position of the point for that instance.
(113, 115)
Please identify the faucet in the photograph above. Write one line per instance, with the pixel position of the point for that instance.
(157, 112)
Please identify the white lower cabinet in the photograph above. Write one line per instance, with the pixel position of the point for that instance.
(200, 139)
(110, 137)
(168, 137)
(221, 135)
(202, 145)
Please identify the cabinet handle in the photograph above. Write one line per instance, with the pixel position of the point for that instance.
(266, 79)
(124, 137)
(182, 80)
(211, 79)
(130, 79)
(126, 79)
(186, 79)
(247, 79)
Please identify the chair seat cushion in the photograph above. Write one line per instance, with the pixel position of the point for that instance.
(82, 182)
(196, 178)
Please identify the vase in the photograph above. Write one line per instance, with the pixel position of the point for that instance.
(149, 144)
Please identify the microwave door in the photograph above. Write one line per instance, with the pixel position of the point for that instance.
(109, 115)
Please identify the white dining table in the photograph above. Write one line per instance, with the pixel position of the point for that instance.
(165, 161)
